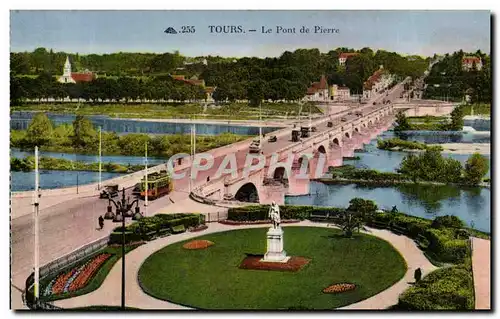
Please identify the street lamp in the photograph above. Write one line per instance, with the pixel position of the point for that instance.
(123, 210)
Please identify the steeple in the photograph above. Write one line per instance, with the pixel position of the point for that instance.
(67, 67)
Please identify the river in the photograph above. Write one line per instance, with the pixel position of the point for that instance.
(472, 205)
(21, 120)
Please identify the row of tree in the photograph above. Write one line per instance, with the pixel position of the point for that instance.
(286, 77)
(448, 79)
(82, 137)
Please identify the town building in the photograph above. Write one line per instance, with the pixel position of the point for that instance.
(74, 77)
(318, 91)
(468, 63)
(340, 93)
(209, 90)
(380, 80)
(343, 57)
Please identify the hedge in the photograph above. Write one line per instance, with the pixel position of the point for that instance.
(261, 212)
(142, 229)
(444, 289)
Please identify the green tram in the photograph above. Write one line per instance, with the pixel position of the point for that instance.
(159, 184)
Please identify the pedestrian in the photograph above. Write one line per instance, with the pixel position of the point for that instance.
(418, 275)
(101, 222)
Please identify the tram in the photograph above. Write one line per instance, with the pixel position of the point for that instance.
(159, 184)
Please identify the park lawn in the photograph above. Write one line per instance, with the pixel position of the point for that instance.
(211, 279)
(102, 308)
(97, 279)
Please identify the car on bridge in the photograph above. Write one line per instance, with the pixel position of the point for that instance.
(272, 139)
(109, 191)
(255, 147)
(343, 119)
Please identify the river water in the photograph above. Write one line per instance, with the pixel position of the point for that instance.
(21, 120)
(472, 205)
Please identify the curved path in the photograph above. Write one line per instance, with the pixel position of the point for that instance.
(109, 292)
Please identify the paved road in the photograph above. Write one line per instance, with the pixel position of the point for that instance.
(481, 262)
(68, 225)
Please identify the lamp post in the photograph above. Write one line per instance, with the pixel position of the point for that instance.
(123, 210)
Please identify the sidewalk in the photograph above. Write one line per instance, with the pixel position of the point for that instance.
(481, 262)
(109, 292)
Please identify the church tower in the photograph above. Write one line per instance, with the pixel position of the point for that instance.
(67, 67)
(66, 77)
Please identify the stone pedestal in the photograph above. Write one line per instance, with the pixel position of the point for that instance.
(275, 252)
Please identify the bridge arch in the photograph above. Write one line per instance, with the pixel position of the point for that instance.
(356, 129)
(247, 193)
(321, 149)
(347, 135)
(336, 141)
(280, 173)
(304, 160)
(370, 122)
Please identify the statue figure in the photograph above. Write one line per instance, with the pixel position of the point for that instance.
(274, 214)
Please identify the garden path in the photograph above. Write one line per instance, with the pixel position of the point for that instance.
(481, 262)
(109, 292)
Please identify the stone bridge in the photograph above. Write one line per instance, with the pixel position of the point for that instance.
(288, 170)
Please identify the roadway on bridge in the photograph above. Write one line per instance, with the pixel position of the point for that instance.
(68, 225)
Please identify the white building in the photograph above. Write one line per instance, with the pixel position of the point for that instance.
(343, 57)
(380, 80)
(340, 93)
(66, 77)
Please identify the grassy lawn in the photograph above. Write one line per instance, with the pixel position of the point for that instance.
(233, 111)
(479, 109)
(96, 281)
(211, 279)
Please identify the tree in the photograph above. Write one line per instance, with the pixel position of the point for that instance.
(40, 130)
(84, 134)
(402, 123)
(476, 168)
(350, 221)
(363, 206)
(457, 119)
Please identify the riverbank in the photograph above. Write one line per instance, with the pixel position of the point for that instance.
(464, 148)
(388, 183)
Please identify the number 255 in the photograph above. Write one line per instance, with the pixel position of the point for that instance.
(188, 29)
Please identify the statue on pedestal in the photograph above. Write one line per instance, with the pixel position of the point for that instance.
(274, 214)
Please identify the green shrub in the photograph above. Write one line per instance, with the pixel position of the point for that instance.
(116, 237)
(444, 289)
(261, 212)
(442, 244)
(447, 221)
(178, 229)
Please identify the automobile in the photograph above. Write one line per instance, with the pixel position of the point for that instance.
(343, 119)
(313, 129)
(272, 139)
(109, 191)
(349, 113)
(359, 113)
(374, 103)
(329, 124)
(255, 147)
(295, 135)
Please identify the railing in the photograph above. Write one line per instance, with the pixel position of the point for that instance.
(54, 267)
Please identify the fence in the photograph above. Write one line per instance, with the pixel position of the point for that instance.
(215, 216)
(54, 267)
(72, 257)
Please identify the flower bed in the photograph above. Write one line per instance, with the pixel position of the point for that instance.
(255, 222)
(198, 244)
(254, 262)
(77, 277)
(338, 288)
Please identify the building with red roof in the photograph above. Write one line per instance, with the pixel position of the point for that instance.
(75, 77)
(209, 90)
(380, 80)
(343, 57)
(468, 63)
(318, 91)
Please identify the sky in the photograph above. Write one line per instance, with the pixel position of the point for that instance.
(407, 32)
